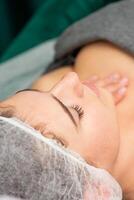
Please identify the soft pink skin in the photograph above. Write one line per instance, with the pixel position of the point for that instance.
(96, 137)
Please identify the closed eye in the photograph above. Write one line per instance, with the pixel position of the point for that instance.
(66, 110)
(79, 110)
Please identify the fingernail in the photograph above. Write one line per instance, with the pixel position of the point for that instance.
(94, 77)
(114, 77)
(124, 81)
(122, 90)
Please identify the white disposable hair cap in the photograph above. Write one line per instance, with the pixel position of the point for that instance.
(42, 169)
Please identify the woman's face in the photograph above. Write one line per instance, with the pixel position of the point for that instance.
(84, 121)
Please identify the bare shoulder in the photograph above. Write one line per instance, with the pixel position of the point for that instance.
(102, 58)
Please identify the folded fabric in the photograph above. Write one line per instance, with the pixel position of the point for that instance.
(48, 22)
(113, 23)
(36, 168)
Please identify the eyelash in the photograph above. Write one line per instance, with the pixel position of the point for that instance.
(79, 110)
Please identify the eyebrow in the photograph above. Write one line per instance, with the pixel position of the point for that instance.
(28, 89)
(66, 110)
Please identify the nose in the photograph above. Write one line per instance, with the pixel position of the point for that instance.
(71, 84)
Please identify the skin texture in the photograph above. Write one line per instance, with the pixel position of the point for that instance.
(104, 143)
(88, 136)
(110, 58)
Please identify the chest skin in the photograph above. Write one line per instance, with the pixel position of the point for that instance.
(100, 58)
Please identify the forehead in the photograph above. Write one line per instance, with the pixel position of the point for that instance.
(29, 99)
(41, 107)
(34, 101)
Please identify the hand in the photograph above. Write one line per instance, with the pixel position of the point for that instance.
(114, 83)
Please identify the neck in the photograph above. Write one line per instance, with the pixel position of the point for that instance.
(123, 168)
(122, 63)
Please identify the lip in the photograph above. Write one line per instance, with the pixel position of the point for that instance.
(92, 86)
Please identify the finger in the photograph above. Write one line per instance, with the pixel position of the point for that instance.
(108, 80)
(119, 95)
(116, 86)
(112, 78)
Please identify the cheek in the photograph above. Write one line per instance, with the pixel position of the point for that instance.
(100, 135)
(100, 119)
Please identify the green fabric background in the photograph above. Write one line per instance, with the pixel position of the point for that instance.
(28, 23)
